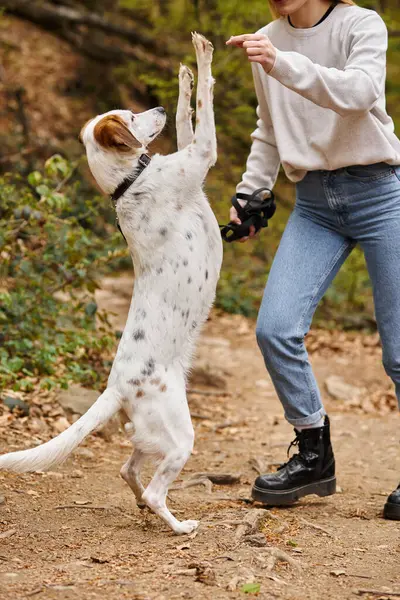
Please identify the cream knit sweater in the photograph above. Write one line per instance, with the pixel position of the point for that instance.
(323, 104)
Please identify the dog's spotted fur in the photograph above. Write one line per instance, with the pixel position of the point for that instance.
(177, 251)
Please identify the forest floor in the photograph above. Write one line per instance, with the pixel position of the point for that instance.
(77, 534)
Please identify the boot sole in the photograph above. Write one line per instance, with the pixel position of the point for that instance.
(391, 511)
(325, 487)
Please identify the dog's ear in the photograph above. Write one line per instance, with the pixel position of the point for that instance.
(112, 133)
(80, 136)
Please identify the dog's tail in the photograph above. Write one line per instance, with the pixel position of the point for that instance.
(55, 451)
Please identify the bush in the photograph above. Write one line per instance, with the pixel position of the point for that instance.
(53, 246)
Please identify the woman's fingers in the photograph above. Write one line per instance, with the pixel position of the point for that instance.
(234, 216)
(252, 231)
(251, 235)
(238, 40)
(235, 219)
(258, 48)
(254, 44)
(257, 51)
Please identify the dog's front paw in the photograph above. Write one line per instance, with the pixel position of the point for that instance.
(186, 78)
(203, 47)
(186, 527)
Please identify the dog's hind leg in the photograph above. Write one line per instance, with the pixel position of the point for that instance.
(130, 472)
(205, 139)
(174, 442)
(156, 493)
(184, 125)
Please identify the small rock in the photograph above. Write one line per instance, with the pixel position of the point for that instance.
(257, 539)
(183, 547)
(53, 474)
(204, 573)
(77, 399)
(338, 572)
(7, 534)
(85, 452)
(61, 424)
(340, 390)
(99, 560)
(77, 474)
(204, 373)
(37, 426)
(16, 404)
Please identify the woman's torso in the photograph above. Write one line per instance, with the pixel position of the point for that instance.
(308, 136)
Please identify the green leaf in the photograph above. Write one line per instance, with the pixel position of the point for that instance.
(42, 189)
(91, 309)
(15, 364)
(251, 588)
(35, 178)
(57, 165)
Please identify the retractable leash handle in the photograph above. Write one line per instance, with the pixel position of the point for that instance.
(256, 212)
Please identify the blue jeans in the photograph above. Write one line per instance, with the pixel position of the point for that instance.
(334, 211)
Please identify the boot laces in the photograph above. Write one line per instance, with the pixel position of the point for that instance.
(295, 457)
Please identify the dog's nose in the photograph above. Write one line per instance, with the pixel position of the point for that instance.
(160, 109)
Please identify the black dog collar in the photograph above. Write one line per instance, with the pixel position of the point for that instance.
(144, 161)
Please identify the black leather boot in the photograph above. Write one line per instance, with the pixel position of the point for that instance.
(392, 506)
(311, 471)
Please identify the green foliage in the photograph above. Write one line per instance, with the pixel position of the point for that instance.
(246, 266)
(251, 588)
(51, 255)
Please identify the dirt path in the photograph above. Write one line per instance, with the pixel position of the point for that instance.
(77, 534)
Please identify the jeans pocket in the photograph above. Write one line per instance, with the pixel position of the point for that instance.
(368, 173)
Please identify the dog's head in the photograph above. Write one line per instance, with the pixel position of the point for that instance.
(114, 140)
(122, 131)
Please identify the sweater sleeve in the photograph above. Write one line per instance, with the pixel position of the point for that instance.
(263, 162)
(350, 91)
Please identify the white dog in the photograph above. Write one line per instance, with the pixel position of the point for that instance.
(176, 248)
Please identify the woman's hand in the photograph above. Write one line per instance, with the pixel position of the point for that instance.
(258, 48)
(235, 219)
